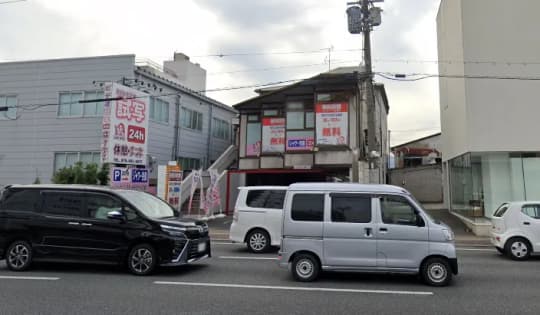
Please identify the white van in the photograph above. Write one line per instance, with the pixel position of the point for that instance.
(257, 217)
(369, 228)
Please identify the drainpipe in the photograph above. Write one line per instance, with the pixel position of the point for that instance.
(176, 144)
(209, 135)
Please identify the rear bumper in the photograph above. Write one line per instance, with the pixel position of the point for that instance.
(237, 233)
(453, 265)
(497, 240)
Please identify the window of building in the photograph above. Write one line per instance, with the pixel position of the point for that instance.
(93, 108)
(63, 203)
(159, 110)
(67, 159)
(308, 207)
(70, 106)
(189, 163)
(220, 129)
(9, 101)
(269, 199)
(26, 200)
(351, 208)
(532, 211)
(397, 210)
(192, 119)
(253, 136)
(271, 112)
(300, 124)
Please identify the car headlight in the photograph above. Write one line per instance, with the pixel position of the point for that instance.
(448, 235)
(173, 230)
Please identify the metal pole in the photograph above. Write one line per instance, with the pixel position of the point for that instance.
(372, 139)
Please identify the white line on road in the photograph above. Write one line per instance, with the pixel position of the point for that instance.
(270, 287)
(30, 278)
(476, 249)
(247, 258)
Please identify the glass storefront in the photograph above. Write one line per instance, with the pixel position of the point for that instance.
(480, 182)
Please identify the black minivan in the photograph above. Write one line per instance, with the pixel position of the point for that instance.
(92, 224)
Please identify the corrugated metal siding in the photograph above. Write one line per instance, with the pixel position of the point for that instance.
(27, 145)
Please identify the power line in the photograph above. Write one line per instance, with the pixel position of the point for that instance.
(11, 1)
(263, 53)
(421, 76)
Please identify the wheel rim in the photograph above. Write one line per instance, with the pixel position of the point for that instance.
(141, 260)
(519, 249)
(18, 256)
(437, 272)
(304, 268)
(257, 241)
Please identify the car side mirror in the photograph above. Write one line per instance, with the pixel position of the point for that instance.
(115, 215)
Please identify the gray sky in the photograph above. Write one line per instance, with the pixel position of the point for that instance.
(39, 29)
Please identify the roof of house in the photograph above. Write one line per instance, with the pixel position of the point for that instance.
(416, 140)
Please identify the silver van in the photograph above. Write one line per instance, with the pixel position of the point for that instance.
(367, 228)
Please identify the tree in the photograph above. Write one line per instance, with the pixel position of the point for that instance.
(90, 174)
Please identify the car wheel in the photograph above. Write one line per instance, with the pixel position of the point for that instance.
(436, 272)
(258, 241)
(19, 256)
(305, 268)
(142, 260)
(518, 248)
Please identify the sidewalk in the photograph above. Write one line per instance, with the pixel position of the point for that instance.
(219, 228)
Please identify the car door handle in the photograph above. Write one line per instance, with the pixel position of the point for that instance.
(384, 230)
(73, 223)
(527, 223)
(86, 224)
(368, 232)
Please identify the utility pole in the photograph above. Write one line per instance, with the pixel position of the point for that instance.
(362, 17)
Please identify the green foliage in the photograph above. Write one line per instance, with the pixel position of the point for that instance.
(80, 173)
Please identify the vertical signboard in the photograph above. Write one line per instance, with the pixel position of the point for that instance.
(273, 135)
(124, 125)
(170, 184)
(332, 123)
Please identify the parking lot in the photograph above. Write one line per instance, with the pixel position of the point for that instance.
(235, 281)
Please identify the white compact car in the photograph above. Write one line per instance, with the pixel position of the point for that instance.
(516, 229)
(257, 217)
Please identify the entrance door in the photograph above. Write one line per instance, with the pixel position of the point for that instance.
(349, 238)
(402, 236)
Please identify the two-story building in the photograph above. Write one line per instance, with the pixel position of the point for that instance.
(313, 130)
(46, 128)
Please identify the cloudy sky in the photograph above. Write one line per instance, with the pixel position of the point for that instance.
(257, 39)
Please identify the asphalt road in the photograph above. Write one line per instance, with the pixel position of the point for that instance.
(237, 282)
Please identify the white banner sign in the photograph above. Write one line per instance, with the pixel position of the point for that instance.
(273, 135)
(332, 123)
(125, 125)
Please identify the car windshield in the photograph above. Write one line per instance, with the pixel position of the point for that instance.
(148, 204)
(418, 204)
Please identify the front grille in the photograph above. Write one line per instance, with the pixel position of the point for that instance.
(193, 250)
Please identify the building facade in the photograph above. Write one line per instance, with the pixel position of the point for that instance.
(489, 109)
(314, 130)
(45, 128)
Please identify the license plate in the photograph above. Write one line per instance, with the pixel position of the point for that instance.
(202, 247)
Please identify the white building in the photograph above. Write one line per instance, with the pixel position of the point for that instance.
(489, 110)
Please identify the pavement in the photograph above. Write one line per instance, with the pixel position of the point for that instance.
(235, 281)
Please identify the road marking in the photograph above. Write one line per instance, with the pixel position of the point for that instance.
(248, 258)
(476, 249)
(270, 287)
(30, 278)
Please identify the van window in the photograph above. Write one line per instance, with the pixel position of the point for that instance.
(532, 211)
(351, 208)
(270, 199)
(501, 211)
(397, 210)
(62, 203)
(26, 200)
(308, 207)
(98, 206)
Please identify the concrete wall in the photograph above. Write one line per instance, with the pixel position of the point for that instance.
(488, 115)
(424, 182)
